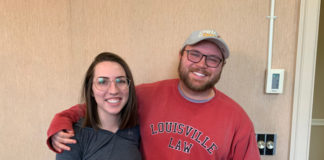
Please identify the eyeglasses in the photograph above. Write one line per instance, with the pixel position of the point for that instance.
(103, 83)
(210, 60)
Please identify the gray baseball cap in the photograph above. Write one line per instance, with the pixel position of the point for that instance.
(209, 35)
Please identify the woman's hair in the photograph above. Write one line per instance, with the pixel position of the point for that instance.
(128, 115)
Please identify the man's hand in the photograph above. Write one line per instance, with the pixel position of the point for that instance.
(61, 138)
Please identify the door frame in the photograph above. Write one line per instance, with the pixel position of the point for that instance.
(304, 79)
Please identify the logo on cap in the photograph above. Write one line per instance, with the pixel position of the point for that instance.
(208, 33)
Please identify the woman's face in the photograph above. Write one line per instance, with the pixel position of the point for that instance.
(110, 88)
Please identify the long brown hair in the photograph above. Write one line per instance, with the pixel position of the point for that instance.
(128, 114)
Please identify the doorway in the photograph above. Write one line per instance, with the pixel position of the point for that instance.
(317, 129)
(304, 79)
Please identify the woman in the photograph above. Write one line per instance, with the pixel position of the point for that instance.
(109, 129)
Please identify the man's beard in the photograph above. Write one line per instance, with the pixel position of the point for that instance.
(184, 77)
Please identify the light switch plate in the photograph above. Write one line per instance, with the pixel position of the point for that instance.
(267, 143)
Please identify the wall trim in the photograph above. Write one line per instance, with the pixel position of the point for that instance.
(304, 79)
(318, 122)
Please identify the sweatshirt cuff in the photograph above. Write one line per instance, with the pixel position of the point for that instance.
(51, 131)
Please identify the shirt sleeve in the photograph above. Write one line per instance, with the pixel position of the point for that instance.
(64, 120)
(245, 145)
(252, 151)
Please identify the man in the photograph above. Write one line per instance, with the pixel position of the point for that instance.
(185, 118)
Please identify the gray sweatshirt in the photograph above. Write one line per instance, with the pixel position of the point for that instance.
(103, 145)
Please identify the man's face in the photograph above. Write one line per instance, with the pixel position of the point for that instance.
(198, 76)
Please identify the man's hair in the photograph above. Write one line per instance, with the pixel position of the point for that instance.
(128, 115)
